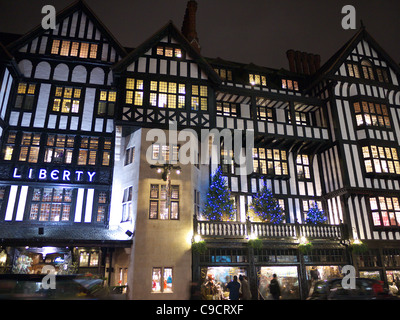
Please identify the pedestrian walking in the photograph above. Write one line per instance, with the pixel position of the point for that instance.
(274, 288)
(245, 288)
(233, 288)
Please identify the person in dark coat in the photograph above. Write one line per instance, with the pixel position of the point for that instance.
(233, 288)
(274, 288)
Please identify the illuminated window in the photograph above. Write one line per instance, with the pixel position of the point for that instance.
(382, 75)
(303, 167)
(353, 70)
(55, 47)
(169, 52)
(84, 259)
(290, 84)
(74, 49)
(106, 104)
(300, 117)
(257, 80)
(25, 96)
(162, 153)
(159, 208)
(385, 211)
(88, 151)
(102, 207)
(367, 69)
(199, 98)
(307, 204)
(224, 74)
(227, 161)
(270, 162)
(134, 92)
(127, 209)
(51, 204)
(381, 159)
(264, 114)
(372, 114)
(106, 152)
(167, 94)
(227, 109)
(30, 145)
(59, 149)
(66, 100)
(88, 259)
(10, 146)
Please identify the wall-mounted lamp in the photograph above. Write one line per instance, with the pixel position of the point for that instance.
(166, 170)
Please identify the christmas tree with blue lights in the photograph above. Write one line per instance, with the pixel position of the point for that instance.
(219, 206)
(267, 207)
(315, 215)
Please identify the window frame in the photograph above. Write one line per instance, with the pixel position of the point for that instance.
(57, 95)
(371, 162)
(67, 149)
(377, 212)
(167, 95)
(303, 176)
(375, 109)
(265, 157)
(70, 49)
(39, 202)
(159, 198)
(162, 281)
(28, 99)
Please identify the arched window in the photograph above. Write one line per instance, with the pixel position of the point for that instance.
(367, 69)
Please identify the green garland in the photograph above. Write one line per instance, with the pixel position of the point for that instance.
(255, 244)
(358, 248)
(305, 248)
(199, 247)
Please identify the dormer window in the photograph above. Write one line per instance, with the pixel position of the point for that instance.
(257, 80)
(224, 74)
(290, 84)
(169, 52)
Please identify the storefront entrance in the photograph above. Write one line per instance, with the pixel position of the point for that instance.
(215, 279)
(288, 280)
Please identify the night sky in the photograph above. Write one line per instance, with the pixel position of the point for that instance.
(257, 31)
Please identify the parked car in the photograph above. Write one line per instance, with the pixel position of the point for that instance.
(30, 286)
(366, 289)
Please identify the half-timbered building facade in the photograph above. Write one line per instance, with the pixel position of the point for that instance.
(97, 172)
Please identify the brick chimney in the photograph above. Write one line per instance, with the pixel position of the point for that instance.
(189, 25)
(303, 62)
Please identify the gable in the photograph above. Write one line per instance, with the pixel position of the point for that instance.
(78, 33)
(363, 58)
(168, 53)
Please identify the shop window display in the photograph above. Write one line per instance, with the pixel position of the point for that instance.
(215, 281)
(316, 273)
(288, 281)
(162, 280)
(393, 279)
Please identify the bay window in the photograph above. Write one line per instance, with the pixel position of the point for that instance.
(385, 211)
(372, 114)
(379, 159)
